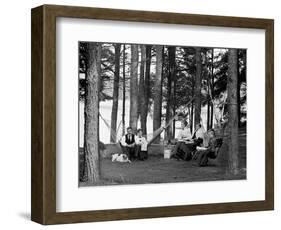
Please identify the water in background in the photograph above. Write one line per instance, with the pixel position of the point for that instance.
(105, 111)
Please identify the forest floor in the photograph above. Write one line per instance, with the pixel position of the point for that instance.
(159, 170)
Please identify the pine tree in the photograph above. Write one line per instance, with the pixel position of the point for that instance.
(91, 111)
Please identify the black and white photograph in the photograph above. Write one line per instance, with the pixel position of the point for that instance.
(156, 113)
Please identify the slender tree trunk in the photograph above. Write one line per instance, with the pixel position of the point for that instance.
(140, 68)
(209, 99)
(170, 92)
(168, 132)
(124, 90)
(162, 78)
(191, 117)
(212, 116)
(134, 87)
(232, 111)
(238, 90)
(208, 115)
(142, 99)
(174, 91)
(189, 112)
(158, 91)
(197, 101)
(91, 113)
(212, 90)
(147, 86)
(115, 94)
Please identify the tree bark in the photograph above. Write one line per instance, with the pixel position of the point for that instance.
(198, 79)
(208, 115)
(147, 85)
(124, 90)
(158, 92)
(91, 113)
(134, 87)
(115, 94)
(174, 87)
(209, 99)
(232, 111)
(212, 91)
(142, 99)
(238, 90)
(170, 92)
(191, 117)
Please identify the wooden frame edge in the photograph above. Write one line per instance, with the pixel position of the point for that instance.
(37, 188)
(269, 110)
(43, 198)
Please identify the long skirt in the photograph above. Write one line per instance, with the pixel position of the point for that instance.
(183, 151)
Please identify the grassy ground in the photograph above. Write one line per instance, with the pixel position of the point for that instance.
(159, 170)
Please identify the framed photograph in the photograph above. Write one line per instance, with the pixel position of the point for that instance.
(139, 114)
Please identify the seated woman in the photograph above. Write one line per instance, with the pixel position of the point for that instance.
(199, 135)
(141, 146)
(182, 150)
(202, 154)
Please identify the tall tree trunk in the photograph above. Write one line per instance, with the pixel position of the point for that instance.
(142, 99)
(174, 87)
(162, 78)
(197, 101)
(212, 90)
(124, 89)
(191, 116)
(91, 113)
(134, 87)
(170, 91)
(232, 111)
(238, 90)
(168, 132)
(191, 106)
(208, 115)
(158, 91)
(147, 86)
(209, 99)
(212, 116)
(115, 94)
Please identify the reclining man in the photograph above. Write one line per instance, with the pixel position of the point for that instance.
(128, 144)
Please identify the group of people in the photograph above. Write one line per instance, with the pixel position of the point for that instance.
(134, 146)
(187, 142)
(199, 146)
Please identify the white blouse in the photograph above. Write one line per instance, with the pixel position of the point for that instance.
(141, 141)
(184, 134)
